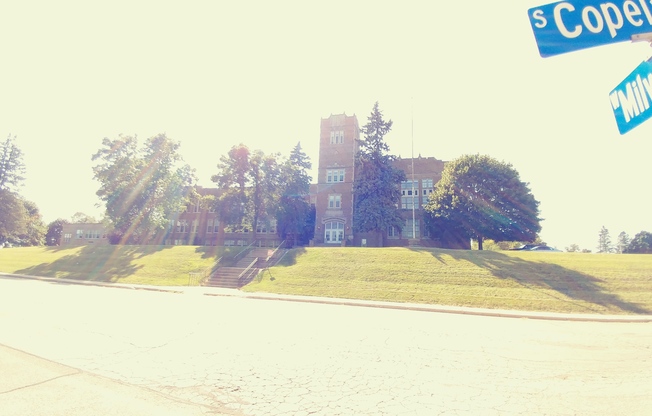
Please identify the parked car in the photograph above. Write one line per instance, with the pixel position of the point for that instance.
(524, 247)
(543, 248)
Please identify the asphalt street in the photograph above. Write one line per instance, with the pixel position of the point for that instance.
(243, 356)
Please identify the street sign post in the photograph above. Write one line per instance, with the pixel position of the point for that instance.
(631, 100)
(568, 26)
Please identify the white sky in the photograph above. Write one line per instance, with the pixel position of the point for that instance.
(212, 74)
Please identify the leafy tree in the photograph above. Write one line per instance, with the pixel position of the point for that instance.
(604, 241)
(265, 186)
(623, 242)
(12, 167)
(141, 187)
(13, 216)
(54, 233)
(479, 197)
(80, 217)
(641, 243)
(249, 184)
(35, 229)
(232, 179)
(574, 248)
(294, 213)
(377, 184)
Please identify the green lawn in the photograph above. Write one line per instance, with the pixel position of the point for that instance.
(556, 282)
(150, 265)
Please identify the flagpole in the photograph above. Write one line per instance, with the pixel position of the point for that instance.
(414, 225)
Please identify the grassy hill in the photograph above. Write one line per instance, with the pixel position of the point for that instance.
(558, 282)
(150, 265)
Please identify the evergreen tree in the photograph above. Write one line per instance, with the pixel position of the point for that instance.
(12, 167)
(604, 241)
(623, 242)
(293, 216)
(376, 189)
(14, 217)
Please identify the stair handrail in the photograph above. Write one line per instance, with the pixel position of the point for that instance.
(202, 274)
(275, 250)
(251, 265)
(246, 250)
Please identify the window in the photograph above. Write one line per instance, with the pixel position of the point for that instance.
(426, 190)
(392, 232)
(333, 232)
(67, 237)
(92, 234)
(211, 208)
(272, 227)
(261, 227)
(334, 175)
(407, 230)
(409, 192)
(334, 201)
(196, 207)
(182, 226)
(80, 233)
(337, 136)
(195, 226)
(213, 226)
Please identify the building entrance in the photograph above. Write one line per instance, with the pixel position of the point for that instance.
(334, 232)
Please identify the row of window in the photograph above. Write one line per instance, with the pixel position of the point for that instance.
(196, 208)
(410, 230)
(213, 226)
(410, 193)
(87, 234)
(334, 231)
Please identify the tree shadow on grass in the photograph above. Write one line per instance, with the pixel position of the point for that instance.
(100, 263)
(538, 275)
(290, 257)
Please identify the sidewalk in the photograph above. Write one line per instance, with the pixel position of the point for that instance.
(33, 386)
(214, 291)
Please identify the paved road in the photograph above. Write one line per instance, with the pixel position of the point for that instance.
(255, 357)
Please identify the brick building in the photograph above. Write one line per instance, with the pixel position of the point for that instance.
(79, 234)
(332, 195)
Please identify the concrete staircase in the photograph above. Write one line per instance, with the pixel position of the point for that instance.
(244, 270)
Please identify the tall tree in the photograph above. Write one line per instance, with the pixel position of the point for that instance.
(604, 241)
(623, 242)
(265, 186)
(13, 216)
(55, 231)
(479, 197)
(293, 216)
(141, 187)
(377, 185)
(35, 229)
(232, 180)
(12, 167)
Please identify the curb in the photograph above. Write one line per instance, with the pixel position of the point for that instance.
(458, 310)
